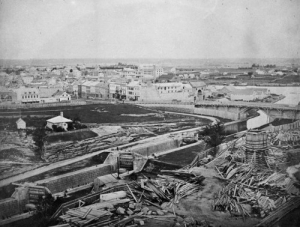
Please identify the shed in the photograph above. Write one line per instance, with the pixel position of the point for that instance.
(21, 124)
(105, 180)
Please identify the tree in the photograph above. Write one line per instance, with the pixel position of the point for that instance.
(38, 136)
(213, 135)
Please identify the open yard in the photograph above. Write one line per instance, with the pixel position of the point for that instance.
(96, 113)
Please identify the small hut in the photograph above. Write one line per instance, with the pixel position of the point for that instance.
(21, 124)
(59, 121)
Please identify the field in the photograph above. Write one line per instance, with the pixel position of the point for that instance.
(96, 113)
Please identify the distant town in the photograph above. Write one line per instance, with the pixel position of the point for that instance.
(142, 82)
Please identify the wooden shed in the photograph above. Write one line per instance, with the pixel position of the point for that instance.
(21, 124)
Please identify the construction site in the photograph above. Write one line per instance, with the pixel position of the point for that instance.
(148, 176)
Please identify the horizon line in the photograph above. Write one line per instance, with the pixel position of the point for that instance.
(136, 58)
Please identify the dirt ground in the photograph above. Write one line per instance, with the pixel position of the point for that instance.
(17, 153)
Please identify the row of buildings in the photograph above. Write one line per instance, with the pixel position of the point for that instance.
(138, 90)
(130, 82)
(33, 95)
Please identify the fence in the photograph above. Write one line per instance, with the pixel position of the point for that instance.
(41, 105)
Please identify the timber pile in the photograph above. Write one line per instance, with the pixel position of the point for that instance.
(83, 216)
(143, 200)
(280, 212)
(285, 138)
(262, 189)
(54, 152)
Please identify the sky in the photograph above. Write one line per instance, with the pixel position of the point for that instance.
(63, 29)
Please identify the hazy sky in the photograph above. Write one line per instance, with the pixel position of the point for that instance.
(149, 29)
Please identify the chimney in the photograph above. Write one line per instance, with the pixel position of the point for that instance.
(62, 114)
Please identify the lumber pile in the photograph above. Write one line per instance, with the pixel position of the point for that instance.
(143, 200)
(82, 216)
(261, 189)
(280, 212)
(285, 138)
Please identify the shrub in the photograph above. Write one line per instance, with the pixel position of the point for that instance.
(213, 134)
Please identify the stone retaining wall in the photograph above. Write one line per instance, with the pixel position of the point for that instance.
(194, 110)
(74, 179)
(157, 147)
(9, 207)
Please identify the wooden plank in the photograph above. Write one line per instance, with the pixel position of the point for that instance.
(132, 193)
(87, 212)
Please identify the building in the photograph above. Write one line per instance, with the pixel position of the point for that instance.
(198, 88)
(58, 121)
(27, 79)
(46, 94)
(147, 69)
(27, 95)
(21, 124)
(61, 96)
(172, 87)
(93, 89)
(7, 96)
(158, 71)
(133, 90)
(166, 92)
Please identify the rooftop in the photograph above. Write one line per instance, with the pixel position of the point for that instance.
(58, 119)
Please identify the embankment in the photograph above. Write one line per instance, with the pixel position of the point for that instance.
(75, 179)
(59, 150)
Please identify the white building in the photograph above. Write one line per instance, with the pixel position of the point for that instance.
(172, 87)
(27, 95)
(260, 72)
(146, 69)
(158, 71)
(61, 96)
(21, 124)
(59, 121)
(133, 90)
(27, 79)
(166, 92)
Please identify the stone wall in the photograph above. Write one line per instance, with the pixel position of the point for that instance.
(9, 207)
(194, 110)
(159, 146)
(235, 126)
(217, 113)
(171, 107)
(74, 179)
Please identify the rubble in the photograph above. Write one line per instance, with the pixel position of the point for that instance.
(135, 202)
(253, 189)
(252, 185)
